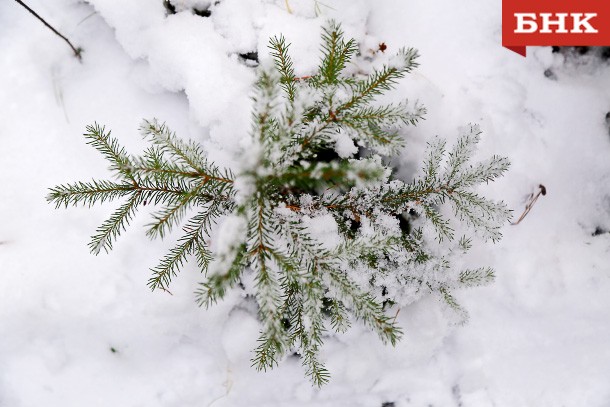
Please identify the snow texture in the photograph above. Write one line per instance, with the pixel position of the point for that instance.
(81, 330)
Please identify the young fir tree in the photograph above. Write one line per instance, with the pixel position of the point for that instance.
(328, 236)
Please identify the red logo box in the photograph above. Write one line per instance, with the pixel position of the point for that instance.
(555, 22)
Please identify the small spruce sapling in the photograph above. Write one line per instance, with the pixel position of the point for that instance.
(326, 240)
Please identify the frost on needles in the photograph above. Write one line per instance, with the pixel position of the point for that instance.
(328, 236)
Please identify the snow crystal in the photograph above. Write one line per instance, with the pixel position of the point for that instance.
(369, 172)
(344, 145)
(388, 224)
(323, 229)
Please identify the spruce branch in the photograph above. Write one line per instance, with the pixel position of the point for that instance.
(188, 154)
(98, 138)
(192, 242)
(382, 80)
(363, 306)
(284, 65)
(477, 277)
(336, 52)
(214, 289)
(88, 193)
(113, 226)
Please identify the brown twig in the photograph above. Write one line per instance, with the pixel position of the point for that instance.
(165, 290)
(288, 9)
(530, 204)
(396, 316)
(77, 51)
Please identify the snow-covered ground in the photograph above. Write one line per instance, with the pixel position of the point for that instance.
(79, 330)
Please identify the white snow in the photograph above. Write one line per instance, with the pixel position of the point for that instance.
(538, 336)
(230, 235)
(323, 229)
(344, 145)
